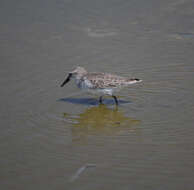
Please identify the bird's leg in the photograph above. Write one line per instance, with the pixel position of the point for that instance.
(115, 98)
(100, 99)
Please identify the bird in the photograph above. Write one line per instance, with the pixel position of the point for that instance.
(99, 82)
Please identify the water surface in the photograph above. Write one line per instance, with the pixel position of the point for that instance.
(50, 134)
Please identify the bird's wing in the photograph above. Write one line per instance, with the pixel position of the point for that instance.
(104, 80)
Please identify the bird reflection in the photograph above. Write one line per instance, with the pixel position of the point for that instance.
(100, 120)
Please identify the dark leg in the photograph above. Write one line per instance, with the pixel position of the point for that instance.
(100, 99)
(115, 98)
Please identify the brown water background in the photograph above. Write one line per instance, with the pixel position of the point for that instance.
(49, 134)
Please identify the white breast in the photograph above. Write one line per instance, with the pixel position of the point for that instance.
(84, 83)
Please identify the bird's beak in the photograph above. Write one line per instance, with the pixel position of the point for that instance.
(67, 79)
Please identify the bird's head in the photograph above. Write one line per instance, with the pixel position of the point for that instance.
(78, 72)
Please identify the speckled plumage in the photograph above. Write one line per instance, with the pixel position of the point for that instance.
(103, 83)
(106, 80)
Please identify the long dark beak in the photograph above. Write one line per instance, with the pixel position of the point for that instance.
(67, 79)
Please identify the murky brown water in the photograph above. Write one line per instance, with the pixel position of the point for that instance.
(60, 138)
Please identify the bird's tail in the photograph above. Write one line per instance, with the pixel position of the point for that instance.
(133, 80)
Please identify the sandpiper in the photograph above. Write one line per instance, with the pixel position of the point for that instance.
(101, 83)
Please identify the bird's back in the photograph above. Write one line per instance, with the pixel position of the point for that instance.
(106, 80)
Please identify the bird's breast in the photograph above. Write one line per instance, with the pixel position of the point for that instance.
(84, 83)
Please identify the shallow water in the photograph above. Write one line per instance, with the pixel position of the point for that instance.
(49, 135)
